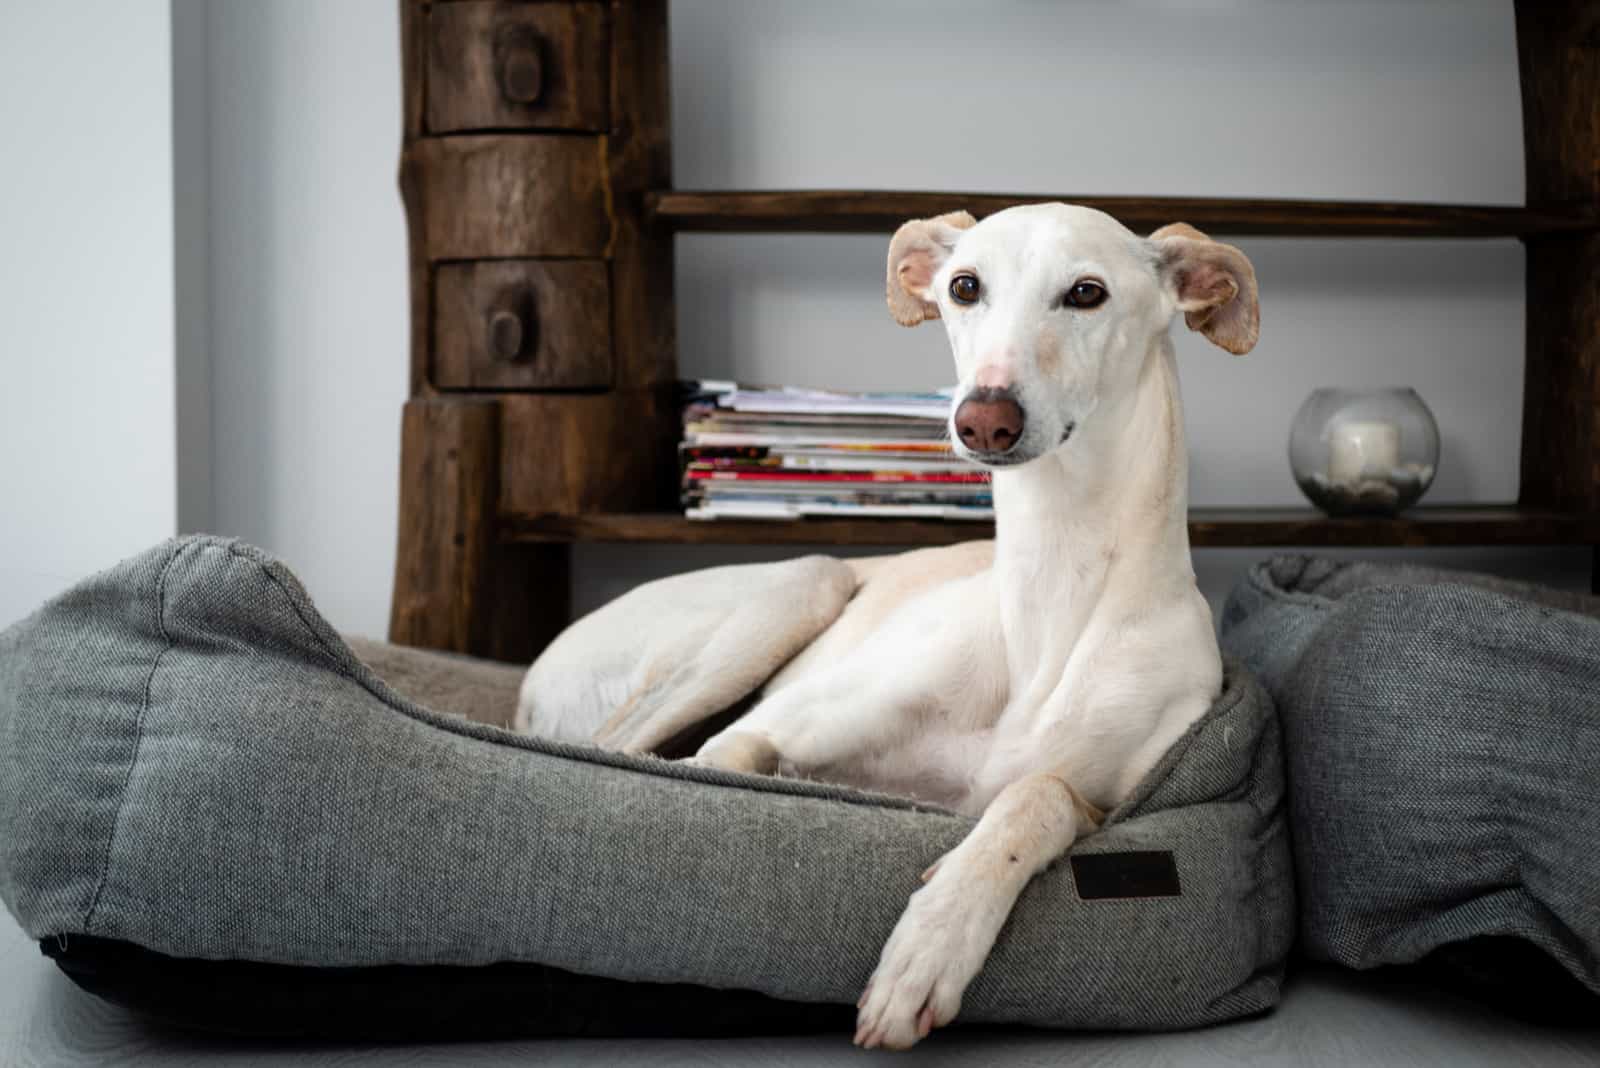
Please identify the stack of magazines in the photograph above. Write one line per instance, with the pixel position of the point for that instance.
(789, 453)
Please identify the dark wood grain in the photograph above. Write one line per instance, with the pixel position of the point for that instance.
(638, 153)
(871, 211)
(575, 453)
(456, 588)
(413, 66)
(1559, 56)
(502, 197)
(419, 281)
(1418, 528)
(644, 426)
(448, 457)
(513, 324)
(517, 66)
(550, 321)
(1208, 528)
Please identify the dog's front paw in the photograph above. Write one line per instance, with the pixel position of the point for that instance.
(937, 947)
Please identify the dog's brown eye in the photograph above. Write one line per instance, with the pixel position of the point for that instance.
(964, 289)
(1085, 295)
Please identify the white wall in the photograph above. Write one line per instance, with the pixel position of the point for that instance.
(308, 312)
(87, 376)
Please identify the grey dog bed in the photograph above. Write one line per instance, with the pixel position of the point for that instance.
(197, 774)
(1443, 736)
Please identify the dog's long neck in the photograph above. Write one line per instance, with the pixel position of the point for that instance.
(1098, 526)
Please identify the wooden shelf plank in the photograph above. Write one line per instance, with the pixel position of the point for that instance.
(1420, 527)
(674, 528)
(1208, 528)
(877, 211)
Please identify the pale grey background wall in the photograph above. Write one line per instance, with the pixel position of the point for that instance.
(191, 201)
(87, 374)
(308, 312)
(290, 258)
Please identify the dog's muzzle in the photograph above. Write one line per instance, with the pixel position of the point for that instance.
(990, 422)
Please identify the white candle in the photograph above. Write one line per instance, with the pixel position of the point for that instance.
(1358, 451)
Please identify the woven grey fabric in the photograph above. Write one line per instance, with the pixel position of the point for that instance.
(192, 760)
(481, 690)
(1443, 735)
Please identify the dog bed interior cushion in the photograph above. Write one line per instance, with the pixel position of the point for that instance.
(205, 791)
(1442, 731)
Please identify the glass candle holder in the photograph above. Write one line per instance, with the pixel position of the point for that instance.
(1364, 452)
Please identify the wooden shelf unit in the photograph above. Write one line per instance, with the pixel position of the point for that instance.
(536, 170)
(845, 211)
(1209, 528)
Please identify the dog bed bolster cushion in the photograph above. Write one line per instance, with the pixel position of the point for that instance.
(195, 767)
(1442, 731)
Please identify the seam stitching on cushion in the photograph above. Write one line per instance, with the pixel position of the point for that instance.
(1258, 866)
(138, 737)
(777, 789)
(333, 654)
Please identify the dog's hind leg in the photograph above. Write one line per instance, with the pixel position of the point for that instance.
(913, 666)
(662, 658)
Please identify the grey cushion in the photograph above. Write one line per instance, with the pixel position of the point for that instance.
(1443, 735)
(191, 760)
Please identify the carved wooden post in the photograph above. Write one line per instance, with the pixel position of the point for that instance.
(456, 587)
(541, 300)
(1558, 50)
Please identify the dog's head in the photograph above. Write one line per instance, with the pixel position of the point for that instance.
(1052, 310)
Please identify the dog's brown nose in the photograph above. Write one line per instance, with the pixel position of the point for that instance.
(989, 420)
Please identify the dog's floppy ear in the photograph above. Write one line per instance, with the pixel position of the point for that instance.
(1214, 283)
(918, 249)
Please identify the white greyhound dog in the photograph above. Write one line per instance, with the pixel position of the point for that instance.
(1031, 681)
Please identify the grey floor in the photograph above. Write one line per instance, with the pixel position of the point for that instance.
(1327, 1018)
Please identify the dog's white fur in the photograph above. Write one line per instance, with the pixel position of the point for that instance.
(1031, 682)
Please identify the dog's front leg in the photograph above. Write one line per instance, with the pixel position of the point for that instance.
(951, 923)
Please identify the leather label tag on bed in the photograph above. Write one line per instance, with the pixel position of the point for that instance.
(1150, 873)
